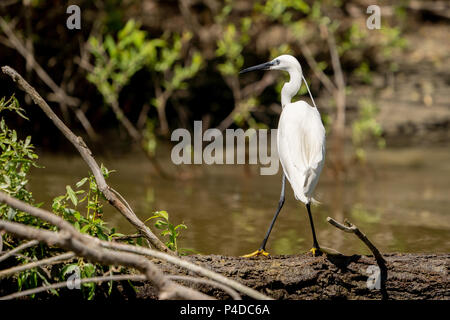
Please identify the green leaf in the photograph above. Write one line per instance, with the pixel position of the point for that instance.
(72, 195)
(81, 182)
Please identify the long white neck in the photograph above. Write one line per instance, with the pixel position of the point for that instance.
(291, 88)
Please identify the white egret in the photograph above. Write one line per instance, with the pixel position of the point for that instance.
(301, 143)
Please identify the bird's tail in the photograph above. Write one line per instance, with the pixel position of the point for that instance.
(309, 173)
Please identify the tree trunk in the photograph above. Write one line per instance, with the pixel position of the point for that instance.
(410, 276)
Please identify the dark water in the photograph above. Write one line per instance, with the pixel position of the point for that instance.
(400, 200)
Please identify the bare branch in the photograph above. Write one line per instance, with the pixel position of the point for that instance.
(256, 88)
(339, 93)
(12, 252)
(59, 94)
(35, 264)
(128, 237)
(186, 265)
(233, 294)
(351, 228)
(328, 84)
(20, 47)
(119, 277)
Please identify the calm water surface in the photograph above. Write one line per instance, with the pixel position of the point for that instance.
(400, 200)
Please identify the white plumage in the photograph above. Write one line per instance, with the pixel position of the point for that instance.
(301, 147)
(301, 142)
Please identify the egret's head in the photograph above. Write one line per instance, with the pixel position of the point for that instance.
(284, 62)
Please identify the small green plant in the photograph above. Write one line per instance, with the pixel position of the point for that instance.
(90, 221)
(168, 229)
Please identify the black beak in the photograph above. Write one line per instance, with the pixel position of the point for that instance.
(262, 66)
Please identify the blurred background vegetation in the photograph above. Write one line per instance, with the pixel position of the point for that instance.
(139, 69)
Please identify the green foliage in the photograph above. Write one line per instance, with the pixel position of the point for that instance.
(363, 73)
(89, 221)
(282, 9)
(366, 127)
(169, 69)
(168, 229)
(116, 61)
(12, 105)
(16, 160)
(230, 46)
(79, 270)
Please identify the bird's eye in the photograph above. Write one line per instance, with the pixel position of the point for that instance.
(277, 62)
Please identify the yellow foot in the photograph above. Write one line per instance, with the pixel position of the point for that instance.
(256, 253)
(316, 252)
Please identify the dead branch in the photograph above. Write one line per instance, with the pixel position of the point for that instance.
(339, 93)
(59, 285)
(59, 95)
(233, 294)
(186, 265)
(12, 252)
(44, 262)
(127, 237)
(86, 154)
(351, 228)
(307, 53)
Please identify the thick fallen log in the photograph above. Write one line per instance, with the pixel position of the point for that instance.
(410, 276)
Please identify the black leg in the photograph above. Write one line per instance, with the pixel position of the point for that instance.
(315, 243)
(280, 205)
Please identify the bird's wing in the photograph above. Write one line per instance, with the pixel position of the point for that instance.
(301, 146)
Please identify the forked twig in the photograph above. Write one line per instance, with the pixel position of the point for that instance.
(351, 228)
(59, 285)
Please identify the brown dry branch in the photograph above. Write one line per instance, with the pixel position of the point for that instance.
(63, 239)
(43, 262)
(127, 237)
(59, 95)
(233, 294)
(86, 154)
(16, 250)
(351, 228)
(241, 94)
(59, 285)
(186, 265)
